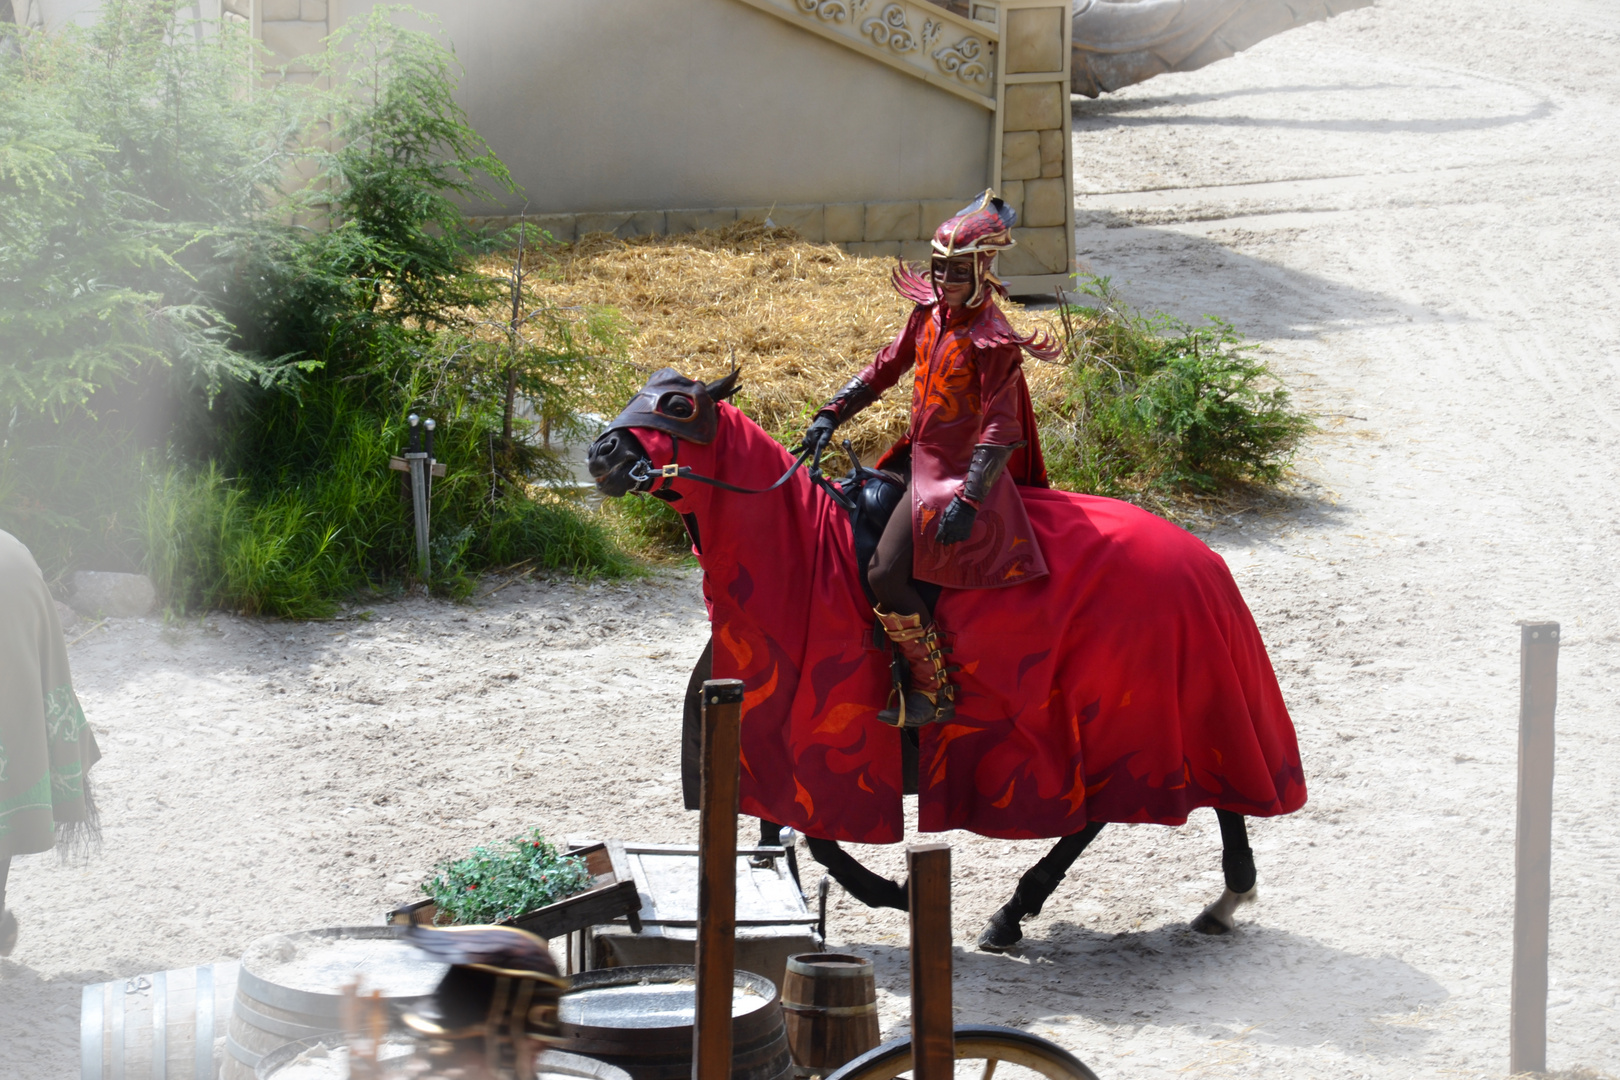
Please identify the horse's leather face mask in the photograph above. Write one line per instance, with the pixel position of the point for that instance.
(671, 403)
(682, 407)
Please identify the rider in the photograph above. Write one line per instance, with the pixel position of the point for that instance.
(971, 423)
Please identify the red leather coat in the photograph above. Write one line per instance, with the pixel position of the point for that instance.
(967, 388)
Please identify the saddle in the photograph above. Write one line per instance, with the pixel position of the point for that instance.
(875, 495)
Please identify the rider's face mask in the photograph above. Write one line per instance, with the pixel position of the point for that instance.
(957, 271)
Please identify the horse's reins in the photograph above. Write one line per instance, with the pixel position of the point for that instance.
(644, 471)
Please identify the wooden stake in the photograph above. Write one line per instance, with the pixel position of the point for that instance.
(933, 1027)
(717, 879)
(1532, 900)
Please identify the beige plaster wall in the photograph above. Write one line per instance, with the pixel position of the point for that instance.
(615, 105)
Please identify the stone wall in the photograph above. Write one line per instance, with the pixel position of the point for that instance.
(288, 28)
(1035, 170)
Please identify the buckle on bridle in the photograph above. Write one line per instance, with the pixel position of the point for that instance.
(644, 471)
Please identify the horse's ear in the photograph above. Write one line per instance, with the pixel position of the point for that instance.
(721, 389)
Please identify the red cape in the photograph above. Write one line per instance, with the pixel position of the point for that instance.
(1129, 684)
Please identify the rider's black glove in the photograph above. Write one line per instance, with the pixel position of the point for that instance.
(956, 523)
(820, 433)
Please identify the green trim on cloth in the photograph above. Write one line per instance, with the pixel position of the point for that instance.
(14, 811)
(46, 748)
(64, 722)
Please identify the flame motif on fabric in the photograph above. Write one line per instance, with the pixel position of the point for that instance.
(752, 698)
(840, 717)
(741, 651)
(1130, 605)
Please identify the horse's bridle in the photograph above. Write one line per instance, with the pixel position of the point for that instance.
(644, 472)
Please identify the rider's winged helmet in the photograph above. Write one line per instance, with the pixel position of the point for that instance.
(981, 229)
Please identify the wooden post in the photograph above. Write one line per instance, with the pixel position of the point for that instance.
(717, 879)
(1532, 900)
(933, 1027)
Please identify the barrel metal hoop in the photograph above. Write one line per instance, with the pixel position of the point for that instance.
(283, 997)
(242, 1053)
(160, 1026)
(293, 1030)
(821, 967)
(204, 1065)
(115, 1029)
(91, 1033)
(830, 1010)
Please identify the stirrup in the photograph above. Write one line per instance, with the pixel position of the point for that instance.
(914, 709)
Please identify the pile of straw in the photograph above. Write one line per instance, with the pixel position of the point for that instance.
(799, 318)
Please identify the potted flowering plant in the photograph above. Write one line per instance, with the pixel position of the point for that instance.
(496, 883)
(529, 883)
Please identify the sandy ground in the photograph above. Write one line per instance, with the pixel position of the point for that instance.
(1412, 208)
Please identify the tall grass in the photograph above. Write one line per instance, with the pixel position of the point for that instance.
(1155, 406)
(332, 521)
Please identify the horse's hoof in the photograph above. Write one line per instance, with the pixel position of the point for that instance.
(1218, 918)
(8, 933)
(1001, 933)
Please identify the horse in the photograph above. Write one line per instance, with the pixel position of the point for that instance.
(1129, 684)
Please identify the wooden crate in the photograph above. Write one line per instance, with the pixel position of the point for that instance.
(612, 895)
(773, 921)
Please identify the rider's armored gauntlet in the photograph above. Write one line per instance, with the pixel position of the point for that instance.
(854, 397)
(988, 462)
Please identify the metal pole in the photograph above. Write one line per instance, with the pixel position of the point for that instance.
(1532, 900)
(717, 879)
(933, 1028)
(421, 473)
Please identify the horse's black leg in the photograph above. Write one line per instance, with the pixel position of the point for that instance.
(1237, 858)
(863, 885)
(1038, 882)
(692, 729)
(1237, 865)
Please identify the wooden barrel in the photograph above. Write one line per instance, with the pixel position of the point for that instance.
(640, 1019)
(290, 986)
(166, 1024)
(329, 1061)
(829, 1001)
(324, 1057)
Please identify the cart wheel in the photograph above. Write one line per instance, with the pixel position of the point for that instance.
(984, 1046)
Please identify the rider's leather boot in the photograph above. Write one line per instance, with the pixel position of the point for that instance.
(929, 697)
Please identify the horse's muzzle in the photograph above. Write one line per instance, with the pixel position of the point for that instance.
(610, 460)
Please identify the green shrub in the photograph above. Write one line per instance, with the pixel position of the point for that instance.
(128, 166)
(147, 269)
(496, 883)
(1153, 404)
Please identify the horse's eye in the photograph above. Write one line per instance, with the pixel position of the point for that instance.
(678, 406)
